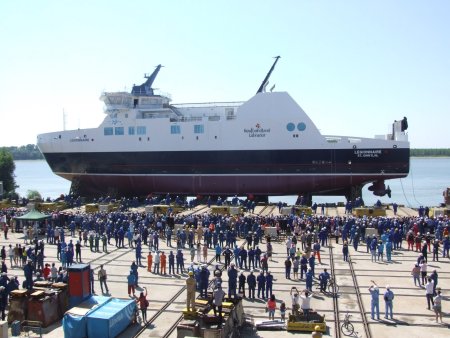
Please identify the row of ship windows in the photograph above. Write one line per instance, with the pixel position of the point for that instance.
(142, 130)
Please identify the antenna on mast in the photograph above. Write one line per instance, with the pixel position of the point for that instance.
(266, 79)
(64, 120)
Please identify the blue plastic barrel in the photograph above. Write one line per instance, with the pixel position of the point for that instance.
(15, 328)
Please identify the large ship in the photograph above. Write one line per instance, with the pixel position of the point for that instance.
(266, 146)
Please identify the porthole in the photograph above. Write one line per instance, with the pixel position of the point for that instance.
(354, 147)
(290, 126)
(301, 126)
(395, 146)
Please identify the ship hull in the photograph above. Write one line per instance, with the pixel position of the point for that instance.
(257, 172)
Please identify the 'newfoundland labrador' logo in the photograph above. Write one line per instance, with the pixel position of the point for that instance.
(258, 131)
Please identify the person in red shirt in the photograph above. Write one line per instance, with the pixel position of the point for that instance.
(46, 271)
(143, 304)
(271, 306)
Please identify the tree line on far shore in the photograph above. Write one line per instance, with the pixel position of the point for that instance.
(28, 152)
(32, 152)
(437, 152)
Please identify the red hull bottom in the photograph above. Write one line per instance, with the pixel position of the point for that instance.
(132, 185)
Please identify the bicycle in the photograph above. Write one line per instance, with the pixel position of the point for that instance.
(347, 327)
(331, 285)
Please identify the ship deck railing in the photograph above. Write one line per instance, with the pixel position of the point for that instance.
(340, 139)
(209, 104)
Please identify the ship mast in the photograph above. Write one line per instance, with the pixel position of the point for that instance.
(266, 79)
(146, 87)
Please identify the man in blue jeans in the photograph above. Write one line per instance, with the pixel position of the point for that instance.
(388, 299)
(374, 303)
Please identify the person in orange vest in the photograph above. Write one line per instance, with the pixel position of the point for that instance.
(149, 261)
(163, 262)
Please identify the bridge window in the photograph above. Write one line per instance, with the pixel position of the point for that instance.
(141, 130)
(175, 129)
(118, 131)
(107, 131)
(130, 130)
(199, 129)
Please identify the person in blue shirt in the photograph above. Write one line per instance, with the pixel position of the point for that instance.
(221, 239)
(130, 238)
(134, 268)
(374, 303)
(171, 263)
(380, 250)
(303, 265)
(138, 254)
(445, 246)
(251, 258)
(309, 279)
(261, 279)
(312, 263)
(242, 280)
(269, 284)
(323, 278)
(243, 258)
(251, 282)
(232, 281)
(388, 250)
(169, 236)
(218, 253)
(373, 248)
(121, 236)
(388, 300)
(345, 251)
(258, 257)
(236, 255)
(180, 261)
(131, 279)
(204, 280)
(28, 271)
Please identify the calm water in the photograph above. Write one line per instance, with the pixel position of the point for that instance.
(427, 180)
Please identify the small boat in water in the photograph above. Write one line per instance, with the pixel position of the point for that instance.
(266, 146)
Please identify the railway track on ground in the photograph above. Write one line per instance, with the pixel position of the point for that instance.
(365, 322)
(338, 322)
(337, 326)
(173, 327)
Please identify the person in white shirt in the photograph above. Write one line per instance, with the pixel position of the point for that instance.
(306, 296)
(437, 305)
(11, 255)
(429, 292)
(218, 296)
(53, 273)
(295, 300)
(156, 260)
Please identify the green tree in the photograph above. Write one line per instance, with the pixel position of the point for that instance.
(34, 195)
(7, 168)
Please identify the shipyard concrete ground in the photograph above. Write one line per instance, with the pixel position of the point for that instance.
(411, 317)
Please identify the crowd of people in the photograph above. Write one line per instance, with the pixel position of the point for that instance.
(237, 245)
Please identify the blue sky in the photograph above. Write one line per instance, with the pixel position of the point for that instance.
(353, 66)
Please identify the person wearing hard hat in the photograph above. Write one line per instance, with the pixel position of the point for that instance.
(316, 333)
(374, 303)
(218, 296)
(190, 287)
